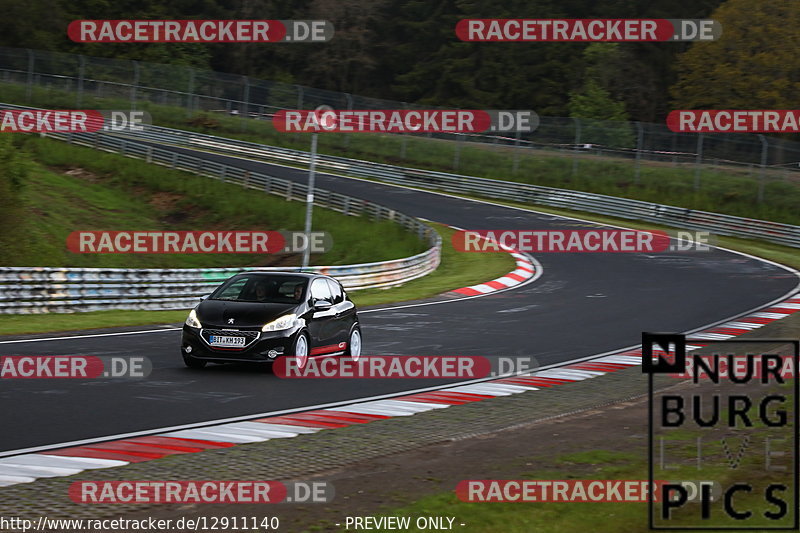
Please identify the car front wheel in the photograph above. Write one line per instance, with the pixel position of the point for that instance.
(300, 350)
(354, 344)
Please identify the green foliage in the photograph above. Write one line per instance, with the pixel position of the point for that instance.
(391, 49)
(14, 168)
(595, 103)
(754, 65)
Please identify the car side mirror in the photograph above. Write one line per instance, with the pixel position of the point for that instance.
(321, 305)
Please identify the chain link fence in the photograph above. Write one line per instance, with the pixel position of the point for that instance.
(190, 91)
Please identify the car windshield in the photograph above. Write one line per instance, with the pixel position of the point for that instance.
(263, 288)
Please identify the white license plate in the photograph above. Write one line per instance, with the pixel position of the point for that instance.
(220, 340)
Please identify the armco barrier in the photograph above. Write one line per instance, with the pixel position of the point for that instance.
(717, 223)
(46, 290)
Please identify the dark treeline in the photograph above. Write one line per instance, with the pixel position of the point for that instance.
(403, 50)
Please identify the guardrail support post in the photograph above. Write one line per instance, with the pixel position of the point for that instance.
(149, 156)
(222, 173)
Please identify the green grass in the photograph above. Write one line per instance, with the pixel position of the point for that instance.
(456, 270)
(73, 188)
(725, 189)
(600, 517)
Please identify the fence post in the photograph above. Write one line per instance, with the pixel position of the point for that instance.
(246, 108)
(135, 84)
(761, 176)
(639, 148)
(149, 157)
(576, 146)
(515, 166)
(190, 92)
(349, 98)
(457, 155)
(29, 89)
(674, 148)
(698, 160)
(81, 73)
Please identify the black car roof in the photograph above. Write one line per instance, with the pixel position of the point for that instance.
(308, 275)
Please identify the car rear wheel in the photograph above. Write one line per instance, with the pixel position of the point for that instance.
(354, 344)
(301, 350)
(191, 362)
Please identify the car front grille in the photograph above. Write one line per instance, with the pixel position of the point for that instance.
(249, 335)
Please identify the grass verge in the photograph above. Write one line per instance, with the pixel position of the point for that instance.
(456, 270)
(71, 188)
(613, 517)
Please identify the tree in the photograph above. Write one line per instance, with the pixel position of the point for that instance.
(754, 65)
(594, 102)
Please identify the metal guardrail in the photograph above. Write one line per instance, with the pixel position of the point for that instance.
(46, 290)
(668, 215)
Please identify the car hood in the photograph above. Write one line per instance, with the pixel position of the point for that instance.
(231, 314)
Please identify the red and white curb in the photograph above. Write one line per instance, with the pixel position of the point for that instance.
(524, 271)
(68, 461)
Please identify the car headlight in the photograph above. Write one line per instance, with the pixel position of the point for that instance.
(192, 320)
(279, 324)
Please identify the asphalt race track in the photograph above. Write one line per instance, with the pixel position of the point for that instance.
(583, 304)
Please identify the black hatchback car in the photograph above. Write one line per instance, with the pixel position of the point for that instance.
(259, 316)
